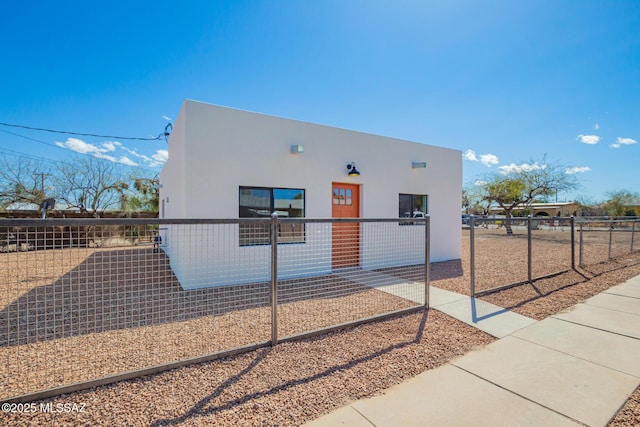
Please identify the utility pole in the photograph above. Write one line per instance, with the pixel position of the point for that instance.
(42, 175)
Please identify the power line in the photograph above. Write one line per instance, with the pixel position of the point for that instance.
(39, 158)
(32, 139)
(6, 151)
(18, 154)
(157, 138)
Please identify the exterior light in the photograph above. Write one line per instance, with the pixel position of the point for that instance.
(351, 167)
(297, 149)
(418, 165)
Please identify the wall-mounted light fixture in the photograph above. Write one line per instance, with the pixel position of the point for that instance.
(418, 165)
(351, 167)
(297, 149)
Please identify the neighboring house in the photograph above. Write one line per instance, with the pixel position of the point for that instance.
(228, 163)
(21, 206)
(32, 207)
(543, 209)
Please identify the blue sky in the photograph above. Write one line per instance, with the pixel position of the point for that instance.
(506, 82)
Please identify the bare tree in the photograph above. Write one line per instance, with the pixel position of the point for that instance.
(92, 185)
(524, 184)
(24, 181)
(474, 200)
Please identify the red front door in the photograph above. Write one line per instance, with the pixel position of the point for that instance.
(345, 236)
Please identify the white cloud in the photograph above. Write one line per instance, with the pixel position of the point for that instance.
(167, 118)
(485, 159)
(623, 141)
(596, 126)
(480, 183)
(488, 159)
(157, 159)
(513, 168)
(123, 159)
(136, 154)
(588, 139)
(109, 151)
(110, 146)
(127, 161)
(78, 145)
(470, 155)
(161, 156)
(577, 169)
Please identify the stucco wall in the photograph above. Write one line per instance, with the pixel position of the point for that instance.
(215, 150)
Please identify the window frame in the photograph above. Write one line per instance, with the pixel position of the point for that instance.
(262, 242)
(412, 200)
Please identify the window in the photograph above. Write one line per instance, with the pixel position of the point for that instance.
(412, 206)
(260, 202)
(342, 196)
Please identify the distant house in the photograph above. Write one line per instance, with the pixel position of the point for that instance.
(20, 206)
(228, 163)
(543, 209)
(32, 207)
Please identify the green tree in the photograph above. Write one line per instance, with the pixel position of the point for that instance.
(145, 198)
(474, 200)
(521, 185)
(621, 202)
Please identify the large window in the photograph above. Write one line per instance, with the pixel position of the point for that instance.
(261, 202)
(412, 205)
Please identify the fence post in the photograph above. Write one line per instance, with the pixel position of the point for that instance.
(573, 242)
(633, 233)
(472, 255)
(610, 238)
(529, 248)
(427, 259)
(274, 279)
(580, 263)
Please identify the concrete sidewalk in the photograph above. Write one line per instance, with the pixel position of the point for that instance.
(577, 367)
(480, 314)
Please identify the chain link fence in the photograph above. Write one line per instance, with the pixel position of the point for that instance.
(86, 302)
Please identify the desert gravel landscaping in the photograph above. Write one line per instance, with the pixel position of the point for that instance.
(88, 324)
(295, 382)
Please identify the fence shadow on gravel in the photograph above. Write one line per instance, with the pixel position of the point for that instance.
(119, 289)
(135, 297)
(614, 264)
(202, 408)
(533, 249)
(441, 270)
(539, 289)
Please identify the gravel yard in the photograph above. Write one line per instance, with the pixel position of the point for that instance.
(295, 382)
(66, 327)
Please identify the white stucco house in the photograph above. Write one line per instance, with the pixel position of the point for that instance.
(228, 163)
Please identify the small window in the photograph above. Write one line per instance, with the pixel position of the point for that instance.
(412, 206)
(343, 196)
(261, 202)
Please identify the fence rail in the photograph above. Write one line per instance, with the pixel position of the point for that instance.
(85, 302)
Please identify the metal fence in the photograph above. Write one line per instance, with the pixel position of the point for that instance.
(86, 302)
(602, 240)
(534, 248)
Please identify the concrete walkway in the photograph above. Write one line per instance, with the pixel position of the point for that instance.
(487, 317)
(574, 368)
